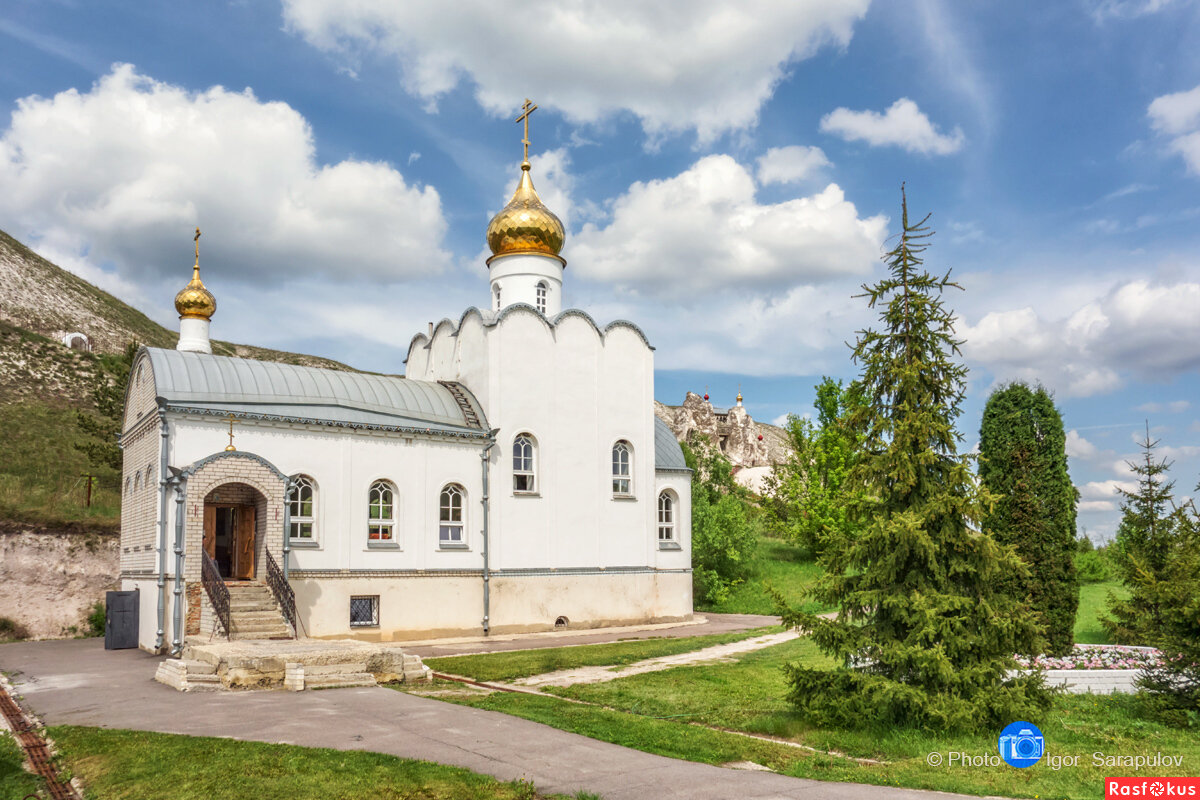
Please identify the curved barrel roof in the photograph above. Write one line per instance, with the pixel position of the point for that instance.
(220, 383)
(668, 455)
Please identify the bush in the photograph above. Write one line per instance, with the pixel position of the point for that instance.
(96, 619)
(1094, 566)
(11, 630)
(725, 526)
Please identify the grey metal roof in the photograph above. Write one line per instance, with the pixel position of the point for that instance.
(208, 383)
(668, 456)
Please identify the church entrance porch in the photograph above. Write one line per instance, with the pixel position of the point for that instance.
(229, 539)
(233, 516)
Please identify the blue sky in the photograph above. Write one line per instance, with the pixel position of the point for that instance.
(728, 174)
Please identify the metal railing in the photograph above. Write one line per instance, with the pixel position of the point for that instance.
(282, 590)
(218, 592)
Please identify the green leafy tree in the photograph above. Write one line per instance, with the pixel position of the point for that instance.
(1023, 464)
(806, 495)
(724, 525)
(1150, 526)
(100, 428)
(922, 635)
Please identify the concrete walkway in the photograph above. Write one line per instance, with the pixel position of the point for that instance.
(77, 682)
(719, 652)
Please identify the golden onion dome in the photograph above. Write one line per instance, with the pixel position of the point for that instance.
(525, 225)
(195, 301)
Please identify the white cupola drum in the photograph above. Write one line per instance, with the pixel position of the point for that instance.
(526, 238)
(196, 305)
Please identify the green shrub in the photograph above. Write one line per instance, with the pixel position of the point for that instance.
(96, 618)
(11, 630)
(1094, 566)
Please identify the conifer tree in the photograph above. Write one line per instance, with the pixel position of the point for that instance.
(1150, 525)
(1023, 464)
(922, 636)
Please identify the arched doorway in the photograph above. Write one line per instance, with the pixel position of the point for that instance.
(234, 529)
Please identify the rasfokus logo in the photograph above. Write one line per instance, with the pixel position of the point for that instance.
(1153, 788)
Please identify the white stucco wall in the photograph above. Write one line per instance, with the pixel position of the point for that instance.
(518, 275)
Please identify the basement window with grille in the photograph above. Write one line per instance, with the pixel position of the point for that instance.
(364, 612)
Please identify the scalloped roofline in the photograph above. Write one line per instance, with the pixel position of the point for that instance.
(490, 319)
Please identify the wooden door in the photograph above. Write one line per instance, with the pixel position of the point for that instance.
(210, 531)
(244, 546)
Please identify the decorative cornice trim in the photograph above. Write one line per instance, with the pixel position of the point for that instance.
(195, 466)
(465, 433)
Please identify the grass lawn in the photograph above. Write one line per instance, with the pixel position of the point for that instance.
(786, 567)
(651, 712)
(133, 765)
(1093, 604)
(523, 663)
(14, 780)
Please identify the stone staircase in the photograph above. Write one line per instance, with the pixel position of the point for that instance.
(253, 612)
(188, 676)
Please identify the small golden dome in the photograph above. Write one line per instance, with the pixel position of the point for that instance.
(525, 225)
(195, 301)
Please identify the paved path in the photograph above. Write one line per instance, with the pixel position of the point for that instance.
(719, 652)
(708, 624)
(76, 682)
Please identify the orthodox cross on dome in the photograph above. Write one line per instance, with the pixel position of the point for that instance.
(527, 109)
(196, 239)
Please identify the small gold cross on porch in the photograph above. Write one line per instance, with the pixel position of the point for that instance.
(527, 109)
(229, 448)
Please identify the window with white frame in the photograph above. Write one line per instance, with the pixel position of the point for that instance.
(666, 517)
(541, 296)
(497, 298)
(450, 516)
(524, 479)
(364, 611)
(622, 469)
(381, 513)
(302, 509)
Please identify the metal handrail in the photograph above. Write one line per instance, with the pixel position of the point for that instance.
(218, 592)
(282, 590)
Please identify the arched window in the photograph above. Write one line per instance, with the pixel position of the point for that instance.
(137, 480)
(302, 509)
(622, 469)
(523, 465)
(541, 296)
(128, 485)
(666, 517)
(450, 516)
(497, 298)
(381, 513)
(149, 474)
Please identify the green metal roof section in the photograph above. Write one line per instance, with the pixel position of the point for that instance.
(668, 455)
(213, 384)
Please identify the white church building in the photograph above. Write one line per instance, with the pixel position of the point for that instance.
(514, 479)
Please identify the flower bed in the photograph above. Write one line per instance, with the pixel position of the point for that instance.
(1095, 656)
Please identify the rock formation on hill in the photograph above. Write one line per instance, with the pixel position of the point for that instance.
(746, 443)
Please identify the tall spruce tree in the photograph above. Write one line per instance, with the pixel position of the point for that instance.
(1023, 464)
(922, 636)
(1150, 526)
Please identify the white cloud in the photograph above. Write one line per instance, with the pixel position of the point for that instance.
(1173, 407)
(1137, 327)
(703, 65)
(790, 164)
(1102, 10)
(124, 171)
(1105, 490)
(1178, 116)
(704, 229)
(1079, 447)
(1096, 505)
(903, 125)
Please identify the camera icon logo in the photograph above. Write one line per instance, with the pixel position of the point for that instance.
(1022, 744)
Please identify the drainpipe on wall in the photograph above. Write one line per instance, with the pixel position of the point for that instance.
(487, 589)
(288, 485)
(163, 482)
(180, 481)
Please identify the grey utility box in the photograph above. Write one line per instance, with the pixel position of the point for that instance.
(120, 620)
